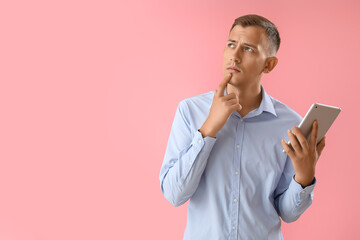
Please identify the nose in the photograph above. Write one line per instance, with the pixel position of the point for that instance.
(235, 60)
(235, 57)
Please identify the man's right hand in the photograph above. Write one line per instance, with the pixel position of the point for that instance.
(221, 109)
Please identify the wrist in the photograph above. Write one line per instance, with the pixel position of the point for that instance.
(207, 131)
(304, 182)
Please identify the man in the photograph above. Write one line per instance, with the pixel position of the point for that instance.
(225, 150)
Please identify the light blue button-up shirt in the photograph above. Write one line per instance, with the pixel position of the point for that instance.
(239, 183)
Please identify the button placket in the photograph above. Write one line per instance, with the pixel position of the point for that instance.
(236, 179)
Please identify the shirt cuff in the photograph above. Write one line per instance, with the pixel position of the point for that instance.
(201, 148)
(302, 194)
(205, 144)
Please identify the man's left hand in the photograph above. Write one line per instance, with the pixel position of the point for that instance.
(304, 154)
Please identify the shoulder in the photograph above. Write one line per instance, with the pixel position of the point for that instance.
(201, 101)
(285, 112)
(194, 110)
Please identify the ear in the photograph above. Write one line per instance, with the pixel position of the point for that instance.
(270, 64)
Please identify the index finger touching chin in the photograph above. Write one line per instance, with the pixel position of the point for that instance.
(223, 84)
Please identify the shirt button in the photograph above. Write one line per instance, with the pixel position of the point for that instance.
(199, 141)
(238, 146)
(190, 162)
(241, 120)
(303, 191)
(235, 200)
(233, 227)
(236, 173)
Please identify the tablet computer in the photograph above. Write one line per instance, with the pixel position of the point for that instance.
(324, 114)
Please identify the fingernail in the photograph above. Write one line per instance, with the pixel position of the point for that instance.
(289, 131)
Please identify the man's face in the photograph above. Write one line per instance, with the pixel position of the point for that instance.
(247, 50)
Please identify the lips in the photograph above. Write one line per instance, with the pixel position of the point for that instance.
(233, 69)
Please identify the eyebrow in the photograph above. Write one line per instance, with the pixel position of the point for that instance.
(246, 44)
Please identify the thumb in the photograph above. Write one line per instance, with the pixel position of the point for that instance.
(320, 146)
(239, 105)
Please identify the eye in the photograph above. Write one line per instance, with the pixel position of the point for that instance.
(230, 44)
(249, 49)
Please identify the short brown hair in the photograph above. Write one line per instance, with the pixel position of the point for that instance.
(269, 27)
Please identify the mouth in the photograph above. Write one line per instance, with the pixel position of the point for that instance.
(233, 69)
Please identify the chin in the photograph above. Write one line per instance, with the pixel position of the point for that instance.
(236, 82)
(236, 78)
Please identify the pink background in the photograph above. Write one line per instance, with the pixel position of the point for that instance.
(89, 91)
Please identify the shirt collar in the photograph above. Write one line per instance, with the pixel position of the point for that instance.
(266, 105)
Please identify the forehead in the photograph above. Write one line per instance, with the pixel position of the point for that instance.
(251, 34)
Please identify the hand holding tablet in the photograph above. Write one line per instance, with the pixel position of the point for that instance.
(325, 116)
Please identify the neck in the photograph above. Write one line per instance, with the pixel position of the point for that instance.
(249, 97)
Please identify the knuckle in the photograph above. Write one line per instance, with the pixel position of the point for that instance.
(228, 104)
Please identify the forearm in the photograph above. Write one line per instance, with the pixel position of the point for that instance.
(180, 181)
(294, 201)
(208, 131)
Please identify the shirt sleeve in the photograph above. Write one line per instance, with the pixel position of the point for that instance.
(291, 199)
(185, 159)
